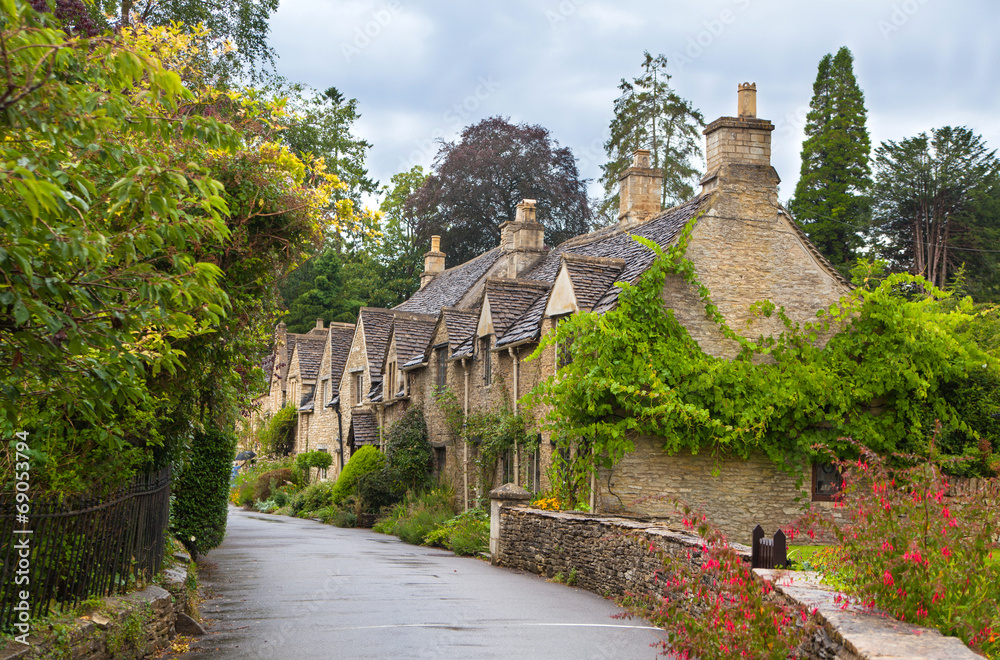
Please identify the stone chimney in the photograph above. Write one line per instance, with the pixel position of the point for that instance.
(523, 239)
(640, 190)
(433, 262)
(739, 148)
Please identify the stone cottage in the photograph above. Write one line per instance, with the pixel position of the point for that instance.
(469, 328)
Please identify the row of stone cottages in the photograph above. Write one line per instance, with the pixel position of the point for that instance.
(469, 328)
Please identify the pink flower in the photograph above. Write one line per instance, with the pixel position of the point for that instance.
(887, 579)
(887, 546)
(946, 552)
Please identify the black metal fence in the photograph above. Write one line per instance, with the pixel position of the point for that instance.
(76, 549)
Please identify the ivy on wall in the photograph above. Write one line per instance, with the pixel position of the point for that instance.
(897, 347)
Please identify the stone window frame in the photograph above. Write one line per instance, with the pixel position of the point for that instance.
(441, 362)
(358, 378)
(823, 495)
(486, 355)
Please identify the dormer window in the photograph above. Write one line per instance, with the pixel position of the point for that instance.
(486, 355)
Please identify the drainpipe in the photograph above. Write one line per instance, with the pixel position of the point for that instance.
(465, 439)
(517, 450)
(340, 432)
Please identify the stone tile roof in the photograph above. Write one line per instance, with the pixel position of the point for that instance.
(364, 428)
(376, 323)
(341, 337)
(509, 299)
(591, 276)
(460, 325)
(413, 333)
(307, 404)
(611, 242)
(448, 287)
(310, 350)
(375, 391)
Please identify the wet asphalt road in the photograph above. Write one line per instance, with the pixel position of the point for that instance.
(284, 588)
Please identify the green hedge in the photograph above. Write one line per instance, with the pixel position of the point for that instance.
(364, 460)
(202, 492)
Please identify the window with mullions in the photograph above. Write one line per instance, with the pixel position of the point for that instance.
(486, 355)
(826, 482)
(442, 366)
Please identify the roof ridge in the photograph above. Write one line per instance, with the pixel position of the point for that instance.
(520, 282)
(587, 259)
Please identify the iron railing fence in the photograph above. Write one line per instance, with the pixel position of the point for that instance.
(81, 548)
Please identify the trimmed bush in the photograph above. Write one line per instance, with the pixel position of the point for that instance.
(364, 460)
(408, 454)
(202, 490)
(375, 492)
(269, 482)
(312, 498)
(312, 459)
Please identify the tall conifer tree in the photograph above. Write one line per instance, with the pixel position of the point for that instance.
(832, 192)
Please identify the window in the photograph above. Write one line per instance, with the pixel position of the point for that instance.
(359, 385)
(507, 459)
(826, 482)
(322, 471)
(563, 353)
(535, 470)
(440, 456)
(442, 366)
(486, 355)
(390, 391)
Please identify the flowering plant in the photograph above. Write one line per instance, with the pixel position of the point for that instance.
(713, 606)
(912, 546)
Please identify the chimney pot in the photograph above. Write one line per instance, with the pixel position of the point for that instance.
(435, 243)
(747, 100)
(433, 262)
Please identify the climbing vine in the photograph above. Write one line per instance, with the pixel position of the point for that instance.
(896, 346)
(493, 431)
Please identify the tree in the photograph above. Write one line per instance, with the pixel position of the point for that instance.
(926, 190)
(478, 182)
(651, 115)
(831, 201)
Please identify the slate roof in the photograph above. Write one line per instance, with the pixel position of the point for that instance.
(376, 323)
(591, 276)
(412, 333)
(375, 391)
(341, 337)
(307, 404)
(449, 286)
(364, 428)
(610, 242)
(310, 351)
(509, 299)
(460, 325)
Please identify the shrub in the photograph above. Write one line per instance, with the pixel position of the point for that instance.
(467, 534)
(413, 519)
(910, 549)
(312, 459)
(271, 481)
(202, 489)
(364, 460)
(408, 454)
(375, 492)
(311, 498)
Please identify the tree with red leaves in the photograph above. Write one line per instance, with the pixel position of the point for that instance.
(478, 182)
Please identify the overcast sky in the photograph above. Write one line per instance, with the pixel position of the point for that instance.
(424, 70)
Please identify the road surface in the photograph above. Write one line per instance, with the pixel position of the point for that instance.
(280, 587)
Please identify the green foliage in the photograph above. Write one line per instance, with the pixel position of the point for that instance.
(883, 373)
(466, 534)
(375, 492)
(202, 489)
(269, 482)
(307, 460)
(366, 459)
(927, 189)
(408, 453)
(911, 547)
(650, 115)
(418, 515)
(311, 498)
(831, 197)
(277, 436)
(493, 432)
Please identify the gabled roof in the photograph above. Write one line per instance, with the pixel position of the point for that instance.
(460, 324)
(412, 333)
(364, 428)
(306, 404)
(509, 299)
(611, 242)
(341, 336)
(376, 323)
(591, 276)
(310, 350)
(449, 286)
